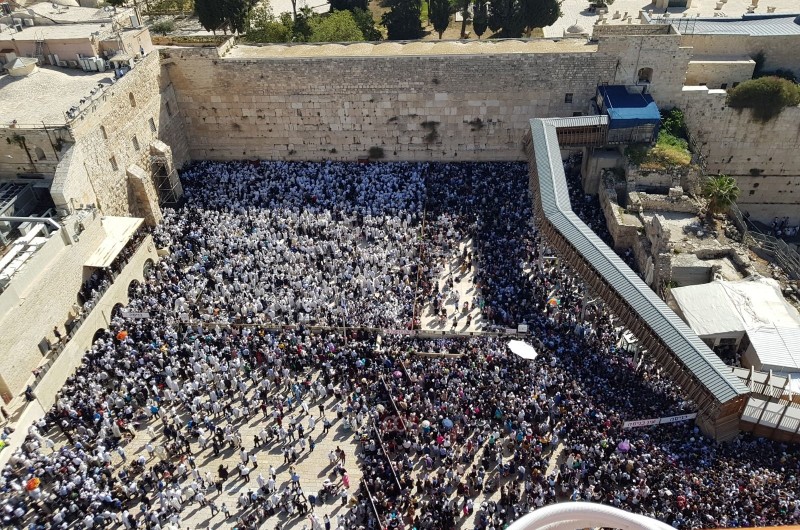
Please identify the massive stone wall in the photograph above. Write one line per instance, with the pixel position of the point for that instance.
(762, 156)
(40, 297)
(412, 107)
(336, 103)
(116, 133)
(39, 153)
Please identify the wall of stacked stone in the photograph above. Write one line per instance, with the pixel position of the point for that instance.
(623, 234)
(780, 51)
(40, 296)
(412, 108)
(49, 143)
(762, 156)
(138, 109)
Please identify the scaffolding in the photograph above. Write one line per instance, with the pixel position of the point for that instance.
(166, 180)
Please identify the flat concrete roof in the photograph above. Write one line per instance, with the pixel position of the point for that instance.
(62, 31)
(45, 95)
(411, 49)
(61, 13)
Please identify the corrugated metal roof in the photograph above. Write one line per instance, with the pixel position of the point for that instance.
(679, 338)
(780, 25)
(585, 121)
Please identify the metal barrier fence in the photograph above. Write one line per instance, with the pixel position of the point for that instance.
(786, 257)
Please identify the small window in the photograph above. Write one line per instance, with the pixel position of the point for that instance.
(113, 162)
(752, 192)
(645, 75)
(735, 85)
(40, 154)
(724, 86)
(135, 142)
(577, 113)
(169, 109)
(568, 97)
(103, 132)
(152, 125)
(132, 98)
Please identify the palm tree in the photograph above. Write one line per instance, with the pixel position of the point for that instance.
(721, 192)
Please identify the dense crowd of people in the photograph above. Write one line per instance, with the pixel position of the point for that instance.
(262, 257)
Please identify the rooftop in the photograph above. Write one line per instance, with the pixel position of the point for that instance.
(32, 100)
(61, 31)
(59, 13)
(752, 25)
(416, 48)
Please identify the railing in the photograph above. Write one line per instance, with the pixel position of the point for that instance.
(787, 258)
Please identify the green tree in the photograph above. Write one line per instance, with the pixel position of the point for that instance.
(462, 6)
(505, 18)
(539, 13)
(210, 13)
(721, 192)
(439, 15)
(301, 29)
(366, 24)
(402, 20)
(115, 3)
(349, 5)
(236, 14)
(337, 26)
(481, 20)
(766, 96)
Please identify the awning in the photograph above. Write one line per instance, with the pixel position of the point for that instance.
(118, 232)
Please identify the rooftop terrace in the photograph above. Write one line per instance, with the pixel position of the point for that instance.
(32, 100)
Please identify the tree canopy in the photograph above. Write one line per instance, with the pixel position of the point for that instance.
(512, 18)
(766, 96)
(721, 192)
(338, 26)
(349, 5)
(402, 20)
(439, 15)
(481, 20)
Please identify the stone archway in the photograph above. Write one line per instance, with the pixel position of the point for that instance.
(115, 311)
(148, 267)
(133, 288)
(99, 334)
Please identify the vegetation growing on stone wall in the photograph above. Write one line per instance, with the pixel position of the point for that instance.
(671, 149)
(765, 96)
(376, 152)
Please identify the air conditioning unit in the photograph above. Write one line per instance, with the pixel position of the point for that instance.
(28, 21)
(73, 64)
(18, 28)
(62, 64)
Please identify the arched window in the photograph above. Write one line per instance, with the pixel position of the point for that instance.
(40, 154)
(133, 99)
(645, 75)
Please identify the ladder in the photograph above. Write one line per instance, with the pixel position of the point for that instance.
(40, 47)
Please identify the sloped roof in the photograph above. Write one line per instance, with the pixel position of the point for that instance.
(724, 307)
(690, 351)
(777, 348)
(753, 25)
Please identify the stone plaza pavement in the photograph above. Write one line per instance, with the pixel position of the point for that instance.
(313, 468)
(463, 291)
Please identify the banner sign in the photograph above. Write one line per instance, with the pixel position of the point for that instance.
(658, 421)
(134, 314)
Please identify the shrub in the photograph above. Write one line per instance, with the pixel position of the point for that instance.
(376, 152)
(163, 27)
(766, 96)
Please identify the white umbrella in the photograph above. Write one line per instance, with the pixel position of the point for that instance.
(522, 349)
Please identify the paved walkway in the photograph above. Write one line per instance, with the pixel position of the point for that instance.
(313, 467)
(463, 291)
